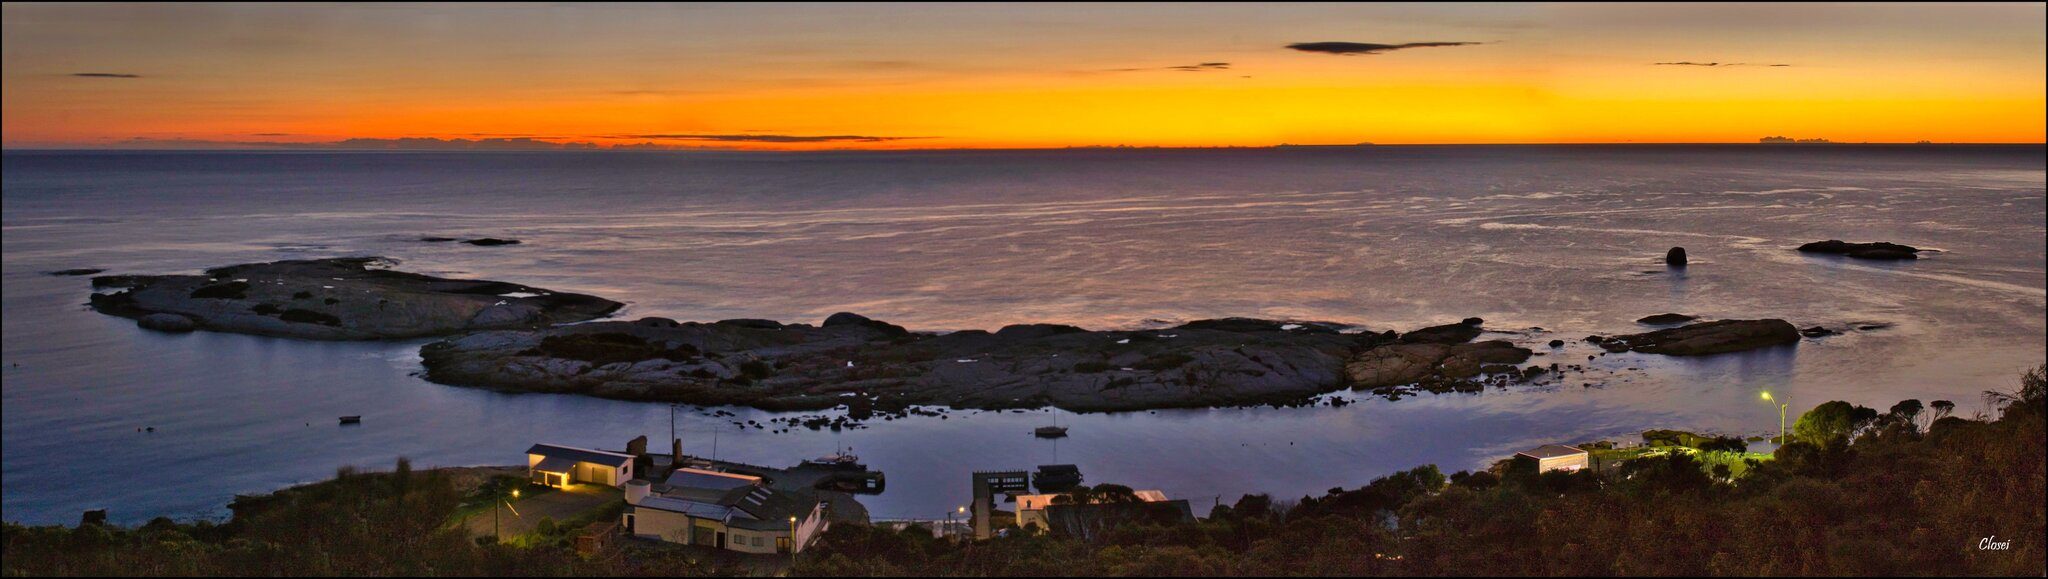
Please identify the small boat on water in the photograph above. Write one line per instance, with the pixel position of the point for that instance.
(1054, 431)
(352, 420)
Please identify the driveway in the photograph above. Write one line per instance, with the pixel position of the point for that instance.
(561, 505)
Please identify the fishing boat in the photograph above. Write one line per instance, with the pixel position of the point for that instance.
(351, 420)
(847, 474)
(843, 460)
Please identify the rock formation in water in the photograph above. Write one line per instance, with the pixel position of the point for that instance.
(1878, 250)
(352, 298)
(1665, 319)
(1705, 338)
(851, 358)
(766, 364)
(75, 272)
(1675, 257)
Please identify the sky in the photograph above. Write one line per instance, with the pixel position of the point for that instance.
(904, 76)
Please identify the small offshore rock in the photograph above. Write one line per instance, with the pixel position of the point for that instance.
(1879, 250)
(1675, 257)
(1666, 319)
(75, 272)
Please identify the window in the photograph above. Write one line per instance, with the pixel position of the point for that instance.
(757, 540)
(782, 544)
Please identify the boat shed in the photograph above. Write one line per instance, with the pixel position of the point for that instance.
(560, 466)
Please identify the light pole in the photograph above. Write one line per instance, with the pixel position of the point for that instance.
(792, 544)
(1781, 417)
(494, 516)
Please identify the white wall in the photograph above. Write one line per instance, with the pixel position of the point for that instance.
(660, 524)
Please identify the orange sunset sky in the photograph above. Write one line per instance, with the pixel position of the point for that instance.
(804, 76)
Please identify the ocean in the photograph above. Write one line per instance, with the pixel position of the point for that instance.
(1543, 242)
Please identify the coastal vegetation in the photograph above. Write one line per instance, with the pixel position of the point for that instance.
(1856, 491)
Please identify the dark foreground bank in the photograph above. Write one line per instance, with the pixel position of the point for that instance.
(1855, 492)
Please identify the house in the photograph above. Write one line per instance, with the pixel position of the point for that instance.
(560, 466)
(722, 510)
(1041, 511)
(1551, 457)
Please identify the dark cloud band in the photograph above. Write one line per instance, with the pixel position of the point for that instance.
(1690, 63)
(1351, 48)
(105, 75)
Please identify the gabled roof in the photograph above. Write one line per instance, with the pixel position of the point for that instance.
(1551, 451)
(581, 454)
(692, 508)
(752, 506)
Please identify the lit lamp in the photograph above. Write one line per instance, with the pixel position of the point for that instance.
(792, 544)
(962, 511)
(1781, 417)
(494, 516)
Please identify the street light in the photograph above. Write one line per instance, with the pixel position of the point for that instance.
(792, 544)
(1781, 417)
(949, 532)
(494, 516)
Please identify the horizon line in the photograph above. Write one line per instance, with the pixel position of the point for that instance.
(317, 147)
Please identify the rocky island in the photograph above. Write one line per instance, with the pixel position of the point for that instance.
(349, 298)
(860, 362)
(513, 337)
(1700, 339)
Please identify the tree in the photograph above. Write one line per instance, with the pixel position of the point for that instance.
(1942, 408)
(1907, 409)
(1831, 424)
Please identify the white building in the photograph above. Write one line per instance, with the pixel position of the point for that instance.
(724, 511)
(560, 466)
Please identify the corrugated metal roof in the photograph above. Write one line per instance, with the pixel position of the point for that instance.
(687, 507)
(704, 479)
(581, 454)
(1551, 451)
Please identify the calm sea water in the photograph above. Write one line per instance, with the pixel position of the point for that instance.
(1568, 239)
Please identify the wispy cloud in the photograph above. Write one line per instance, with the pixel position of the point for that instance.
(1352, 48)
(1690, 63)
(1197, 67)
(105, 75)
(764, 138)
